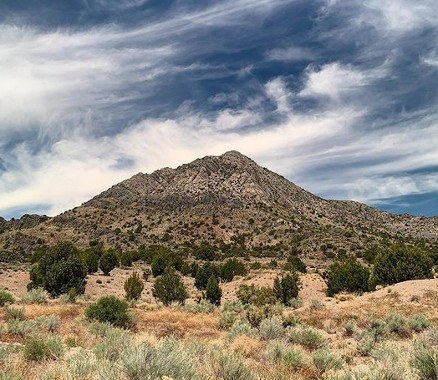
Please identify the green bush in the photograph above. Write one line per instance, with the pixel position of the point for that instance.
(40, 348)
(213, 292)
(271, 328)
(6, 298)
(91, 259)
(295, 264)
(307, 337)
(419, 323)
(203, 274)
(286, 289)
(133, 287)
(231, 268)
(108, 262)
(126, 258)
(348, 276)
(324, 360)
(251, 294)
(226, 366)
(14, 313)
(58, 269)
(109, 309)
(401, 263)
(169, 288)
(163, 258)
(35, 296)
(425, 360)
(205, 252)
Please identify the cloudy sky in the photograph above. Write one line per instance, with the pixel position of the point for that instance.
(341, 97)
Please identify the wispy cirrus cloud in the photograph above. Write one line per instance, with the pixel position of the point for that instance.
(336, 96)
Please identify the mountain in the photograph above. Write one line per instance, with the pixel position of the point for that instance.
(227, 198)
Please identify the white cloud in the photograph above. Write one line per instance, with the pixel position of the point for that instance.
(276, 89)
(334, 80)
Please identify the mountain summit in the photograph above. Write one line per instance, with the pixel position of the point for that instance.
(218, 199)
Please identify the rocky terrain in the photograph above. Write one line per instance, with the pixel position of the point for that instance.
(221, 199)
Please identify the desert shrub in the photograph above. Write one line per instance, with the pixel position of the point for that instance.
(6, 298)
(108, 261)
(101, 329)
(255, 314)
(21, 328)
(59, 269)
(425, 360)
(286, 289)
(316, 304)
(133, 287)
(205, 252)
(290, 320)
(113, 344)
(82, 364)
(251, 294)
(39, 348)
(35, 296)
(213, 292)
(241, 327)
(401, 263)
(397, 324)
(271, 328)
(324, 360)
(203, 274)
(227, 319)
(234, 306)
(307, 337)
(419, 323)
(109, 309)
(162, 257)
(168, 360)
(228, 366)
(72, 295)
(348, 276)
(14, 313)
(50, 322)
(203, 306)
(296, 302)
(126, 258)
(169, 288)
(295, 264)
(232, 267)
(350, 327)
(91, 259)
(366, 344)
(293, 358)
(6, 350)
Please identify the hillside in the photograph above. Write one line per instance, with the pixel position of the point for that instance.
(227, 198)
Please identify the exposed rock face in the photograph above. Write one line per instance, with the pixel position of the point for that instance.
(214, 199)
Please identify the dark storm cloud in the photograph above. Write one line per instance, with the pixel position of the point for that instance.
(338, 96)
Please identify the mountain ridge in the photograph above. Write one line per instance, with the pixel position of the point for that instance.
(218, 199)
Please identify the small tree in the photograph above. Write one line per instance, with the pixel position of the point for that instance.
(204, 273)
(59, 269)
(159, 264)
(111, 310)
(126, 259)
(213, 292)
(348, 276)
(133, 287)
(91, 259)
(285, 289)
(401, 263)
(169, 288)
(108, 262)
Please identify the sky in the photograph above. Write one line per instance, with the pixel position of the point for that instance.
(340, 97)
